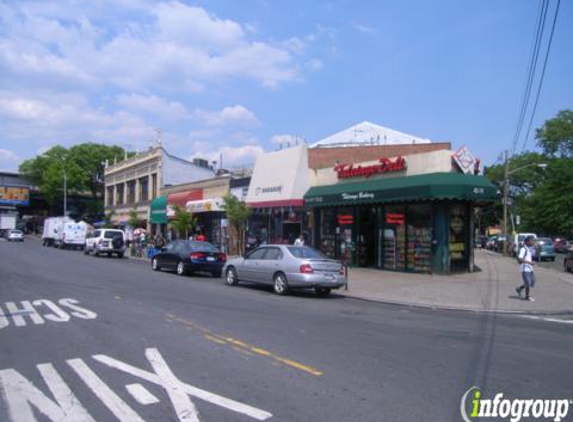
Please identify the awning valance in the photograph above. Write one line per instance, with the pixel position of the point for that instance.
(158, 210)
(434, 186)
(205, 205)
(181, 198)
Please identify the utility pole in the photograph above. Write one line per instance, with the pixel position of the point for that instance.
(65, 193)
(505, 198)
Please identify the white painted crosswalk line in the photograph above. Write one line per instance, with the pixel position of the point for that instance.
(548, 319)
(141, 394)
(113, 402)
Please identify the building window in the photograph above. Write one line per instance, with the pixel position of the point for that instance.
(110, 198)
(144, 189)
(153, 186)
(131, 192)
(327, 233)
(419, 238)
(120, 194)
(395, 238)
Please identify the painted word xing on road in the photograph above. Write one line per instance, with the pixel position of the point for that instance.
(22, 397)
(42, 310)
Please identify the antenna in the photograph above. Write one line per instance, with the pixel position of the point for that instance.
(159, 140)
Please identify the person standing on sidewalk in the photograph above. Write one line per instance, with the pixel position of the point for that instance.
(525, 258)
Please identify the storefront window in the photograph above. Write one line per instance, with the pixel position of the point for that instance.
(345, 220)
(458, 237)
(366, 239)
(419, 223)
(395, 238)
(328, 231)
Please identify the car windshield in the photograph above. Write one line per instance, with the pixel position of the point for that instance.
(304, 252)
(201, 246)
(15, 232)
(545, 241)
(112, 235)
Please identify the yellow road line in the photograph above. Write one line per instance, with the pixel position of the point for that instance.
(247, 348)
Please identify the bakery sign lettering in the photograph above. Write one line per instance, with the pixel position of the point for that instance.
(384, 165)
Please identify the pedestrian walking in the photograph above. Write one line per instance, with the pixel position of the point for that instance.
(299, 240)
(525, 258)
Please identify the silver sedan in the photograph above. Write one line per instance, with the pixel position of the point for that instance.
(287, 267)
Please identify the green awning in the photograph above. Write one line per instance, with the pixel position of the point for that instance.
(434, 186)
(158, 210)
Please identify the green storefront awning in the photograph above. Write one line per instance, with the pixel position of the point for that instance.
(434, 186)
(158, 210)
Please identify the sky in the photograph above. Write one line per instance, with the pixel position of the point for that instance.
(237, 78)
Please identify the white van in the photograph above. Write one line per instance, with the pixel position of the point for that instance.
(52, 228)
(518, 240)
(71, 235)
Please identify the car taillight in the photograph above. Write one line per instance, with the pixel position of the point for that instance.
(306, 269)
(222, 257)
(341, 270)
(100, 242)
(197, 255)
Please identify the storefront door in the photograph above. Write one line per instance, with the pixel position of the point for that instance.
(366, 239)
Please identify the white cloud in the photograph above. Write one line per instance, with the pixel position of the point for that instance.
(366, 29)
(237, 114)
(232, 156)
(8, 160)
(171, 110)
(314, 64)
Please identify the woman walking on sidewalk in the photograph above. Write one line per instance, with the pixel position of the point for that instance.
(525, 259)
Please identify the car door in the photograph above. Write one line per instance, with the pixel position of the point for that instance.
(269, 265)
(250, 267)
(167, 257)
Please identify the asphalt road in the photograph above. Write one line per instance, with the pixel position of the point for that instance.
(85, 338)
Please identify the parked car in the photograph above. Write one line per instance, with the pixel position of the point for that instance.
(561, 245)
(105, 241)
(14, 236)
(491, 243)
(544, 249)
(568, 262)
(287, 267)
(188, 256)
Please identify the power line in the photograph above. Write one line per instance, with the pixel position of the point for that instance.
(531, 72)
(542, 74)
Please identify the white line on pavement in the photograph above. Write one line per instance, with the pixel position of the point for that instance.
(141, 394)
(539, 318)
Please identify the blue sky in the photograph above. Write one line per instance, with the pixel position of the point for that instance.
(237, 77)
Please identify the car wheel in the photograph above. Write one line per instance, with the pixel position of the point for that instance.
(231, 277)
(181, 268)
(280, 285)
(155, 265)
(322, 291)
(120, 255)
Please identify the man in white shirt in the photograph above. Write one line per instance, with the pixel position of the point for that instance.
(299, 240)
(525, 259)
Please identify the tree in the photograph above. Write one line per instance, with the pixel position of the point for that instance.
(83, 165)
(183, 222)
(237, 214)
(134, 220)
(555, 137)
(108, 217)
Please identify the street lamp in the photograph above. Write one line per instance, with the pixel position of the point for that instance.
(506, 191)
(65, 192)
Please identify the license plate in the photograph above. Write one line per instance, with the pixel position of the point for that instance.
(210, 258)
(329, 277)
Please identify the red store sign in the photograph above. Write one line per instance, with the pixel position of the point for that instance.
(346, 171)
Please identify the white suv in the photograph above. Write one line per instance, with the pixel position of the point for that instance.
(106, 241)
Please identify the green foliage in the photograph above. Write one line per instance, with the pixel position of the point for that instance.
(555, 137)
(183, 222)
(134, 220)
(237, 213)
(83, 165)
(108, 217)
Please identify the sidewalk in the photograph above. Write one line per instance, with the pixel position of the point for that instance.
(491, 289)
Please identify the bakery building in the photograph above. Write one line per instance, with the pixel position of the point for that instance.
(405, 208)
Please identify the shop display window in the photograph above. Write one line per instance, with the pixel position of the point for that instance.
(419, 238)
(458, 237)
(345, 220)
(327, 233)
(395, 237)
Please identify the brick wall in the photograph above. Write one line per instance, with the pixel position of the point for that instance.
(327, 157)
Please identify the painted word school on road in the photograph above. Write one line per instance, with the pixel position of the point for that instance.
(24, 400)
(41, 310)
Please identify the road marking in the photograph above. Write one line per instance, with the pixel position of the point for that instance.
(238, 344)
(141, 394)
(22, 397)
(173, 385)
(113, 402)
(33, 311)
(539, 318)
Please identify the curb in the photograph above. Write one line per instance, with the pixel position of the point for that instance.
(454, 308)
